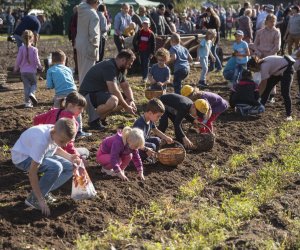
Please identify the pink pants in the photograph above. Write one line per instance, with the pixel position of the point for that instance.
(104, 160)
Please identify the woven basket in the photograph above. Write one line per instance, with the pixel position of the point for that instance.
(150, 94)
(202, 142)
(171, 154)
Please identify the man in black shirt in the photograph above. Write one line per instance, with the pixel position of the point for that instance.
(102, 87)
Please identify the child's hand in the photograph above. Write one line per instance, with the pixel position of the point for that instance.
(44, 207)
(141, 175)
(169, 140)
(122, 176)
(75, 159)
(187, 143)
(150, 152)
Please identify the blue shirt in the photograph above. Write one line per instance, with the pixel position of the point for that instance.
(60, 78)
(121, 22)
(242, 49)
(205, 46)
(182, 55)
(144, 126)
(28, 23)
(160, 74)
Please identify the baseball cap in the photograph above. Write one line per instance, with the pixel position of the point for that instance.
(239, 32)
(202, 106)
(146, 20)
(270, 7)
(187, 90)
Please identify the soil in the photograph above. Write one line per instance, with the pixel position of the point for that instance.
(22, 227)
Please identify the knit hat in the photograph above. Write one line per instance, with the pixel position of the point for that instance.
(187, 90)
(202, 106)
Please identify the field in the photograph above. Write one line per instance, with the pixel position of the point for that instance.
(243, 194)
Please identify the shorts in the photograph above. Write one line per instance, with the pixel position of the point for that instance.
(99, 98)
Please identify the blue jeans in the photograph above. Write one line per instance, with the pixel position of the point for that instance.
(56, 171)
(179, 76)
(151, 142)
(238, 73)
(145, 61)
(19, 40)
(218, 63)
(30, 84)
(204, 66)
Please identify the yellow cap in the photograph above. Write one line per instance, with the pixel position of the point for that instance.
(202, 106)
(187, 90)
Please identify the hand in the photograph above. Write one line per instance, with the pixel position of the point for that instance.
(150, 152)
(130, 109)
(169, 140)
(44, 207)
(141, 175)
(187, 143)
(75, 159)
(132, 104)
(122, 176)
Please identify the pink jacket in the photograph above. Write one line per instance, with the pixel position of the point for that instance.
(22, 62)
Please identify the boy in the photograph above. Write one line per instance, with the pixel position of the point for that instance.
(144, 43)
(241, 53)
(154, 110)
(60, 78)
(39, 150)
(181, 58)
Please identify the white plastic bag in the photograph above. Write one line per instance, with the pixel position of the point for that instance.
(257, 77)
(82, 187)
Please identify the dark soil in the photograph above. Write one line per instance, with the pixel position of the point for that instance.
(21, 227)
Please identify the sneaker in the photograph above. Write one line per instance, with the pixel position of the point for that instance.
(97, 125)
(33, 99)
(104, 122)
(289, 118)
(28, 105)
(82, 134)
(109, 172)
(202, 84)
(50, 198)
(32, 202)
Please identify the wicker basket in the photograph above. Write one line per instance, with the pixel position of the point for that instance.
(202, 141)
(150, 94)
(171, 154)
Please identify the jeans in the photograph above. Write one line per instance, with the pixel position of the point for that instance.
(19, 40)
(218, 63)
(57, 170)
(30, 84)
(179, 76)
(285, 82)
(204, 66)
(119, 44)
(238, 73)
(151, 142)
(145, 61)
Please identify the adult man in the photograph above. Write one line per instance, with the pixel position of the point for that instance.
(101, 88)
(122, 20)
(135, 17)
(293, 30)
(162, 26)
(29, 22)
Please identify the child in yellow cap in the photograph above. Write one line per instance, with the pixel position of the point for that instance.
(209, 105)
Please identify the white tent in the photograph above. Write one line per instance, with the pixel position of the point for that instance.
(131, 2)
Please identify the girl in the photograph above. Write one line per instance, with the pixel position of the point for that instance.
(159, 75)
(73, 105)
(28, 62)
(209, 105)
(203, 53)
(116, 152)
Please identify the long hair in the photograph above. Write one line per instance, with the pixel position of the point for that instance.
(27, 37)
(215, 16)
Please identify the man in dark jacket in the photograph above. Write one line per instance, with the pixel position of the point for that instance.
(158, 17)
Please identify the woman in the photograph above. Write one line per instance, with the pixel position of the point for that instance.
(245, 25)
(214, 23)
(88, 37)
(104, 28)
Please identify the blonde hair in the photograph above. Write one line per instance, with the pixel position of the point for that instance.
(212, 32)
(27, 37)
(135, 135)
(162, 52)
(66, 127)
(58, 56)
(175, 38)
(270, 17)
(248, 12)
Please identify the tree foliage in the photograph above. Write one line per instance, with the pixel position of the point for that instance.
(49, 6)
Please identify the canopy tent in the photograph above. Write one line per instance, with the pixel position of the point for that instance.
(146, 3)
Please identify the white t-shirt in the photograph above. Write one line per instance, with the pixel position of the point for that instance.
(36, 143)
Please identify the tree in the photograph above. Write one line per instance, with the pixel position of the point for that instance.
(49, 6)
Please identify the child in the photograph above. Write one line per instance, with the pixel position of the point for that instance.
(241, 53)
(72, 105)
(116, 152)
(204, 51)
(159, 75)
(208, 104)
(38, 150)
(28, 62)
(154, 110)
(244, 96)
(60, 78)
(144, 44)
(128, 34)
(181, 57)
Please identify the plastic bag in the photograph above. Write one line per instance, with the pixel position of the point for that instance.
(82, 186)
(257, 77)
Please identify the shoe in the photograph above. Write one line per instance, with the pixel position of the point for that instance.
(272, 100)
(33, 99)
(104, 122)
(97, 125)
(82, 134)
(289, 118)
(202, 84)
(109, 172)
(28, 105)
(50, 198)
(32, 202)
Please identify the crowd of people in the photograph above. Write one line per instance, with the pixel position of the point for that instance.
(48, 147)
